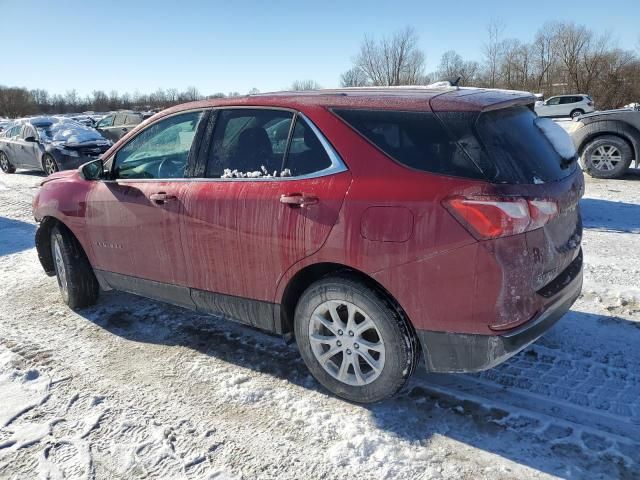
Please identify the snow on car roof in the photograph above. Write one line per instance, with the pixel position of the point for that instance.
(64, 130)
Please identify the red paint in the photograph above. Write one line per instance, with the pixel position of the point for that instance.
(381, 218)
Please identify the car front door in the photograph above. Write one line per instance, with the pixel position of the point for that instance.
(553, 107)
(27, 147)
(133, 218)
(272, 192)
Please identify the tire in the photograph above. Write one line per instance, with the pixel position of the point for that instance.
(393, 350)
(49, 164)
(5, 164)
(77, 282)
(607, 157)
(576, 113)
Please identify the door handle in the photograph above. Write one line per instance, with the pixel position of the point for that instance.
(161, 197)
(298, 200)
(124, 129)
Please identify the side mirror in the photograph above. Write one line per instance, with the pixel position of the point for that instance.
(30, 139)
(93, 170)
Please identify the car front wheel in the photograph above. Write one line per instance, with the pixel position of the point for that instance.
(353, 340)
(77, 282)
(5, 164)
(607, 157)
(49, 165)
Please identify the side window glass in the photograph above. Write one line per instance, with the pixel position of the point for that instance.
(119, 119)
(105, 122)
(554, 101)
(28, 131)
(249, 143)
(133, 120)
(306, 153)
(159, 151)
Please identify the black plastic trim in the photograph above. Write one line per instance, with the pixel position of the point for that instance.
(252, 312)
(463, 352)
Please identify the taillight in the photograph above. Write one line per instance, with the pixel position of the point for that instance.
(493, 217)
(590, 104)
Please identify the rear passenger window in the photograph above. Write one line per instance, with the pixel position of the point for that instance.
(249, 143)
(306, 154)
(415, 139)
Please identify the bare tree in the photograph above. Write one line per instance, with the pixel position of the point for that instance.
(392, 61)
(493, 50)
(354, 77)
(299, 85)
(452, 65)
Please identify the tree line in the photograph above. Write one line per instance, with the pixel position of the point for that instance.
(563, 57)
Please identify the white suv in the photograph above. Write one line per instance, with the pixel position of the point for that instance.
(565, 106)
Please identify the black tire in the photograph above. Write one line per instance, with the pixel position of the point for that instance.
(592, 154)
(77, 282)
(49, 164)
(576, 113)
(5, 164)
(400, 346)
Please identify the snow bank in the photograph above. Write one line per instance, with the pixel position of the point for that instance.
(558, 137)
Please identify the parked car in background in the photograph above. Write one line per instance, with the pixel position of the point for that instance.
(565, 106)
(117, 124)
(607, 141)
(353, 221)
(4, 123)
(49, 144)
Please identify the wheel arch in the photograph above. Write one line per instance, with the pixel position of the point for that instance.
(43, 242)
(622, 130)
(310, 274)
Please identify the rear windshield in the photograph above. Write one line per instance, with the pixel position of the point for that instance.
(509, 146)
(501, 146)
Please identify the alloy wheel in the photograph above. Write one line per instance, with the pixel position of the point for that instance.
(50, 165)
(4, 163)
(605, 157)
(346, 342)
(60, 269)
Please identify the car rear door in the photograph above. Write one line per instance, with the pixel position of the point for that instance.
(245, 224)
(133, 219)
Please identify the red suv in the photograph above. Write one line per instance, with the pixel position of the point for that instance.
(374, 226)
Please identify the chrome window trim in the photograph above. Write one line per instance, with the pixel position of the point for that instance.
(337, 164)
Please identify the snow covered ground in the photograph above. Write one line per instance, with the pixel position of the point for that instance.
(132, 388)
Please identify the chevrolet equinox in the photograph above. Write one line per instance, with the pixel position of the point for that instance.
(376, 227)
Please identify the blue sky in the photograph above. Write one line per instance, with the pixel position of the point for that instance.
(238, 45)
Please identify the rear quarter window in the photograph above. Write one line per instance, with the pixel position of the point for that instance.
(415, 139)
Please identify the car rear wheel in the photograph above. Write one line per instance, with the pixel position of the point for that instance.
(5, 164)
(607, 157)
(49, 165)
(576, 113)
(352, 339)
(77, 282)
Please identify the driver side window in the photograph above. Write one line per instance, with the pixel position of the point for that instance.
(159, 151)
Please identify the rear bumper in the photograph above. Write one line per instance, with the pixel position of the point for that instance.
(462, 352)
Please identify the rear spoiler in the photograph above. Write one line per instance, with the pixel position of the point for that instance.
(480, 100)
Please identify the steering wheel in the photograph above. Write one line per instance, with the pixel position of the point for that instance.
(170, 165)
